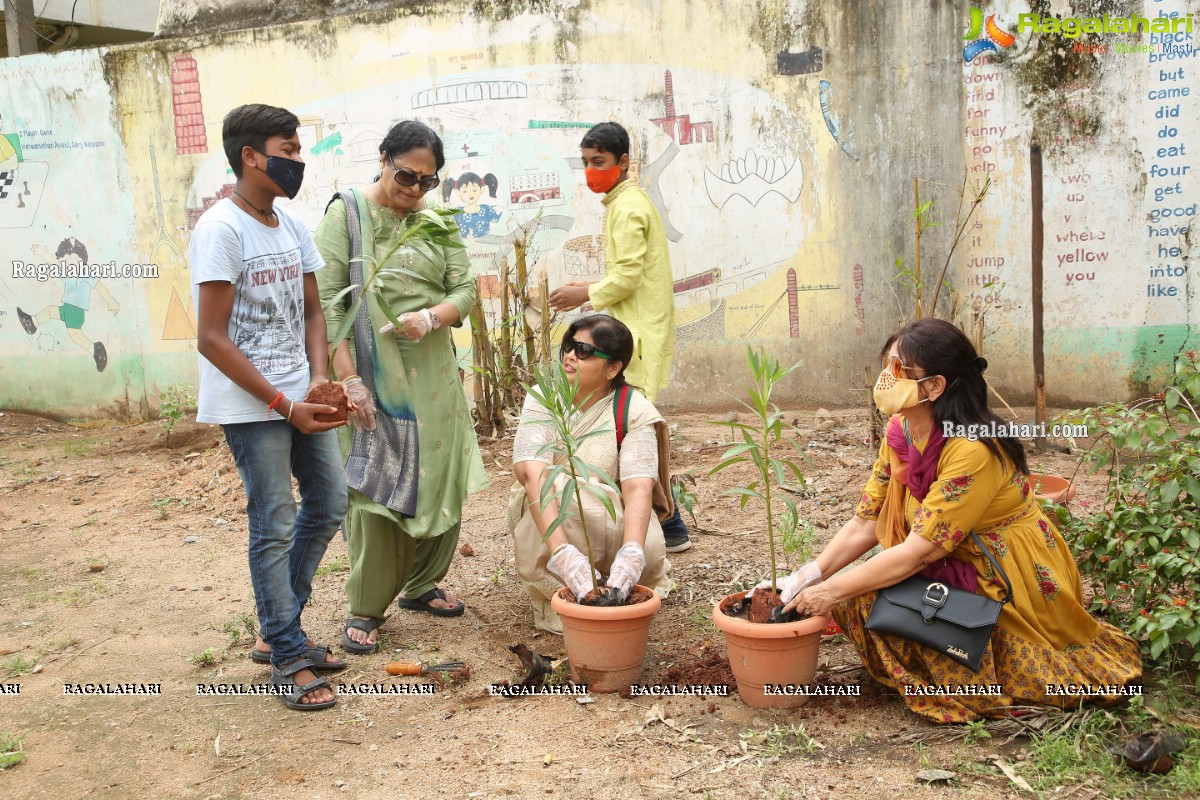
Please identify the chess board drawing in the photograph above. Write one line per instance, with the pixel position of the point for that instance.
(21, 187)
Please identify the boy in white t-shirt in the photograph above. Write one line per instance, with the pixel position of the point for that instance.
(262, 343)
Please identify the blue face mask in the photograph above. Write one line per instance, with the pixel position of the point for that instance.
(286, 173)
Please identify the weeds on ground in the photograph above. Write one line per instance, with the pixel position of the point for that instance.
(173, 404)
(242, 625)
(208, 657)
(702, 619)
(339, 564)
(11, 752)
(18, 665)
(782, 740)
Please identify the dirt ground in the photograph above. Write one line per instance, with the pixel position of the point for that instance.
(125, 561)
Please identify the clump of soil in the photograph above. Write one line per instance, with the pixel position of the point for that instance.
(761, 604)
(640, 594)
(329, 394)
(711, 668)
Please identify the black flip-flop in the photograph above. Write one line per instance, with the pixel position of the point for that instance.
(285, 676)
(365, 625)
(315, 654)
(422, 604)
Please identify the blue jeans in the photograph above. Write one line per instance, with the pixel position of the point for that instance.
(286, 546)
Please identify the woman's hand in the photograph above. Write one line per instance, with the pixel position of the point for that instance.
(627, 567)
(362, 405)
(814, 600)
(413, 325)
(572, 568)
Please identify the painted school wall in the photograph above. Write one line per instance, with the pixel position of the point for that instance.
(779, 140)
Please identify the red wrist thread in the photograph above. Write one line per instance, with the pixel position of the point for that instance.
(278, 399)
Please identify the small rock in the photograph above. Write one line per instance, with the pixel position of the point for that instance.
(373, 748)
(933, 775)
(732, 416)
(466, 550)
(489, 459)
(339, 783)
(208, 588)
(38, 668)
(822, 412)
(191, 539)
(96, 568)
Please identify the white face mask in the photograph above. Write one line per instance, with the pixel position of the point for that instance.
(893, 394)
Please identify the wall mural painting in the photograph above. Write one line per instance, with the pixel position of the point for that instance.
(512, 164)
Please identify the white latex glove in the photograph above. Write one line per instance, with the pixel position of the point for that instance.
(364, 404)
(414, 325)
(792, 585)
(572, 568)
(627, 567)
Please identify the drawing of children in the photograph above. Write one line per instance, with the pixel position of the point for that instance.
(475, 220)
(76, 299)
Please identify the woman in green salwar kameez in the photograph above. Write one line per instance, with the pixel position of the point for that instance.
(414, 376)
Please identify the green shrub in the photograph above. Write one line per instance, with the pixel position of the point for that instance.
(1142, 549)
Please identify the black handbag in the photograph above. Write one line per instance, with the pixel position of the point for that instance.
(954, 622)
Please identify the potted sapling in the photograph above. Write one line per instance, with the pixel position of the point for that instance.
(432, 226)
(765, 649)
(605, 632)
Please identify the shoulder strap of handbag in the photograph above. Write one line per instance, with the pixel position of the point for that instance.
(995, 565)
(621, 412)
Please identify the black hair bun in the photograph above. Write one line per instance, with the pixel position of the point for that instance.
(981, 364)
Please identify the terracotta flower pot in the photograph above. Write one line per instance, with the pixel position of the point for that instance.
(1052, 488)
(606, 645)
(761, 654)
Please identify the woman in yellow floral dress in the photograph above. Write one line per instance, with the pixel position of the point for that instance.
(927, 491)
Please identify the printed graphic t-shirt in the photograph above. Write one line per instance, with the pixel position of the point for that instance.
(266, 267)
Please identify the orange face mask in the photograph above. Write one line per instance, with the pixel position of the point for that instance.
(601, 181)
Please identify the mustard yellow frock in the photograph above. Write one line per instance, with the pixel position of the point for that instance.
(1044, 638)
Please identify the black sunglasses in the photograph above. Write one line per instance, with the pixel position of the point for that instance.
(583, 351)
(406, 177)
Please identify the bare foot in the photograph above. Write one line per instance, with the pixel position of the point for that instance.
(360, 636)
(262, 647)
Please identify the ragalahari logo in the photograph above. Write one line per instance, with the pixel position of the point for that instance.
(992, 35)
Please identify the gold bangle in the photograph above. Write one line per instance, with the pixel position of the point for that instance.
(291, 408)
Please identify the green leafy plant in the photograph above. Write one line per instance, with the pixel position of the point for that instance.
(1143, 547)
(796, 538)
(430, 226)
(976, 731)
(208, 657)
(760, 442)
(174, 402)
(11, 752)
(235, 629)
(682, 487)
(559, 396)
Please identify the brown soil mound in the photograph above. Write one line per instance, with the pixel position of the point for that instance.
(329, 394)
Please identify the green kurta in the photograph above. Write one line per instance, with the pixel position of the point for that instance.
(638, 287)
(450, 467)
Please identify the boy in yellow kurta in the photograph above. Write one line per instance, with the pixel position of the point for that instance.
(637, 288)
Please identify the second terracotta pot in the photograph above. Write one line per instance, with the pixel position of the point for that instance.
(769, 654)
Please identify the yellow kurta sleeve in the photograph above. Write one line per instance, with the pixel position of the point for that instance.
(968, 479)
(875, 491)
(629, 229)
